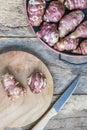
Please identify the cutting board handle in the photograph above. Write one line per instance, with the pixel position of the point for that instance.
(42, 123)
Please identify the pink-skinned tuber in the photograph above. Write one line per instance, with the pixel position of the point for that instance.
(12, 87)
(69, 22)
(66, 44)
(76, 4)
(36, 82)
(81, 31)
(36, 10)
(54, 12)
(49, 33)
(82, 49)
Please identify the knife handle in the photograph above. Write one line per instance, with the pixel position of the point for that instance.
(44, 120)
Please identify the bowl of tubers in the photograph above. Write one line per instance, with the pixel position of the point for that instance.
(60, 24)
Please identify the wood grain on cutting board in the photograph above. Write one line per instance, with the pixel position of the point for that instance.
(30, 107)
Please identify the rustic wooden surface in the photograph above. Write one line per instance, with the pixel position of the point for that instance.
(15, 34)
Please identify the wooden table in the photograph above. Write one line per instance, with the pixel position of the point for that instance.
(15, 34)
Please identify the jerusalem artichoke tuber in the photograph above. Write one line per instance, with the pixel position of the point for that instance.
(66, 44)
(82, 49)
(54, 12)
(35, 11)
(49, 33)
(69, 22)
(81, 31)
(76, 4)
(12, 87)
(36, 82)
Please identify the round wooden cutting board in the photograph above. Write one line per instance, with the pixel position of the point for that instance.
(30, 107)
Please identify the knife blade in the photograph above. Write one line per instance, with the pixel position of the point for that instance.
(57, 106)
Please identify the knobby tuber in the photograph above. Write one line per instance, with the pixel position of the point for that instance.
(37, 82)
(66, 44)
(36, 10)
(76, 4)
(54, 12)
(81, 31)
(12, 87)
(69, 22)
(49, 33)
(82, 49)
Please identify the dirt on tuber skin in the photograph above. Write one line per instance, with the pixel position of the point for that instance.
(82, 49)
(49, 33)
(76, 4)
(36, 82)
(69, 22)
(36, 10)
(81, 31)
(54, 12)
(66, 44)
(12, 87)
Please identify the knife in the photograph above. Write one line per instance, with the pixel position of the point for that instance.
(57, 106)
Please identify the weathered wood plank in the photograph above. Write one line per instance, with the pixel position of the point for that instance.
(13, 19)
(20, 31)
(73, 116)
(13, 24)
(62, 74)
(35, 46)
(76, 123)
